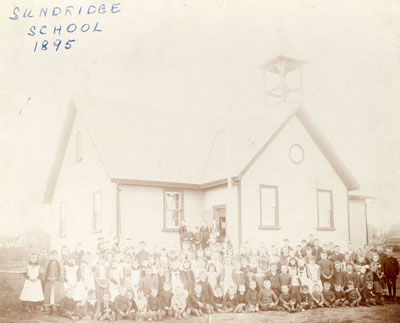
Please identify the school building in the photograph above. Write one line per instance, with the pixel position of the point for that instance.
(136, 172)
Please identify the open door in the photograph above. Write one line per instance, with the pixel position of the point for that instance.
(220, 219)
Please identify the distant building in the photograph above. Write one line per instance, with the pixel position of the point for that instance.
(135, 172)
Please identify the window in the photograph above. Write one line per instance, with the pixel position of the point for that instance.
(63, 219)
(269, 207)
(325, 210)
(97, 211)
(78, 156)
(173, 209)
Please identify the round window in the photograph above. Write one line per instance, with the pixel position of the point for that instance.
(296, 153)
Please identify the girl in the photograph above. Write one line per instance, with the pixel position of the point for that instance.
(187, 276)
(212, 275)
(71, 271)
(227, 274)
(32, 294)
(114, 280)
(313, 274)
(86, 273)
(101, 276)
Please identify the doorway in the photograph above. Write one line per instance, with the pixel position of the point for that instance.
(220, 219)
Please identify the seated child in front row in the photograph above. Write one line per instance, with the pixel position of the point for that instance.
(318, 297)
(154, 305)
(68, 305)
(287, 301)
(178, 302)
(165, 300)
(340, 296)
(241, 299)
(105, 309)
(368, 295)
(122, 305)
(218, 300)
(197, 301)
(251, 298)
(353, 295)
(230, 299)
(329, 296)
(267, 298)
(306, 298)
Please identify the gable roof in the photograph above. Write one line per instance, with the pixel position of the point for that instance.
(154, 145)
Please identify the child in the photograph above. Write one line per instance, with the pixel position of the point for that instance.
(54, 287)
(178, 302)
(318, 297)
(349, 276)
(337, 277)
(101, 276)
(197, 301)
(147, 282)
(165, 300)
(135, 276)
(274, 278)
(368, 295)
(305, 298)
(113, 284)
(286, 300)
(329, 296)
(90, 305)
(207, 291)
(376, 282)
(267, 298)
(353, 295)
(105, 310)
(326, 268)
(141, 303)
(313, 273)
(218, 300)
(241, 299)
(251, 298)
(230, 300)
(212, 276)
(227, 274)
(122, 305)
(132, 304)
(187, 276)
(154, 305)
(71, 279)
(32, 293)
(340, 296)
(284, 277)
(67, 306)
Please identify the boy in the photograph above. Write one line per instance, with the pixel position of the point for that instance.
(329, 296)
(390, 267)
(267, 298)
(165, 299)
(306, 298)
(132, 304)
(326, 268)
(252, 298)
(218, 300)
(154, 305)
(141, 303)
(230, 300)
(67, 306)
(105, 310)
(241, 299)
(206, 290)
(121, 305)
(90, 305)
(284, 277)
(353, 295)
(340, 296)
(368, 295)
(286, 300)
(318, 298)
(274, 278)
(178, 302)
(197, 301)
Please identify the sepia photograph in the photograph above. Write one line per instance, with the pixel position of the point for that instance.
(199, 161)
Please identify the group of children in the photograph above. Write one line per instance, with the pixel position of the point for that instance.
(117, 282)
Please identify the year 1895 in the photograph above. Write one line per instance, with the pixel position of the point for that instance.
(55, 45)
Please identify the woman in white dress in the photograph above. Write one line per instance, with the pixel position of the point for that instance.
(32, 293)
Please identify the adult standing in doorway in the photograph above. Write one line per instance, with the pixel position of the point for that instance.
(182, 231)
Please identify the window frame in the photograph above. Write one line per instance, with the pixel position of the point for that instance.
(331, 226)
(94, 229)
(181, 214)
(62, 220)
(270, 227)
(78, 147)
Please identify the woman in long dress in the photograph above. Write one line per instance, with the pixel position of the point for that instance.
(32, 293)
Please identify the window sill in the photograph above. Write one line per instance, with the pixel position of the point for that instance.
(95, 232)
(170, 230)
(269, 227)
(325, 229)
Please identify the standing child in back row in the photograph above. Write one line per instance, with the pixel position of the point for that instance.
(32, 293)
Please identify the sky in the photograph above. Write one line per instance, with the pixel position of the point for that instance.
(199, 57)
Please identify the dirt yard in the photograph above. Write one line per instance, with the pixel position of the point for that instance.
(10, 311)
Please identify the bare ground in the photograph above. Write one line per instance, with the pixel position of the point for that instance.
(10, 311)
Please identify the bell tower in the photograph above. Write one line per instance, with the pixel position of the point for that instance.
(283, 74)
